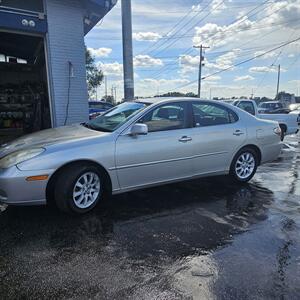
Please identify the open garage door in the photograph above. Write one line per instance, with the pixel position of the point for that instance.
(24, 99)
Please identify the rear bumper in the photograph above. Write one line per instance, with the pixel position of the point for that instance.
(270, 152)
(15, 190)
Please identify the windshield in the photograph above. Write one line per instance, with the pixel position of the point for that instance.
(116, 117)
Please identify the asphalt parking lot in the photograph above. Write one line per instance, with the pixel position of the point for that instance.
(205, 239)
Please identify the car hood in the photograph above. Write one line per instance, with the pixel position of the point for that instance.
(49, 137)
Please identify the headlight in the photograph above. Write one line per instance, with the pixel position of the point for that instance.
(19, 156)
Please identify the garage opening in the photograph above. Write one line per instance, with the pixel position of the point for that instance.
(24, 99)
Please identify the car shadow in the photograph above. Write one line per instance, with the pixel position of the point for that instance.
(198, 215)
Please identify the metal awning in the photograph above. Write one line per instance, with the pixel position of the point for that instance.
(95, 11)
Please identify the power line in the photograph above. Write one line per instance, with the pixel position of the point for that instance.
(202, 19)
(267, 73)
(242, 62)
(182, 27)
(172, 29)
(234, 31)
(236, 21)
(169, 68)
(252, 58)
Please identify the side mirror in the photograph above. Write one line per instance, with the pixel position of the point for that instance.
(139, 129)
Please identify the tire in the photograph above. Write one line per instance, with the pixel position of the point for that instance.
(68, 193)
(283, 131)
(244, 165)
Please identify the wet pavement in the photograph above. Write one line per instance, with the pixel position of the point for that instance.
(204, 239)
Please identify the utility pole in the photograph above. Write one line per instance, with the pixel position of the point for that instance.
(115, 89)
(201, 47)
(127, 50)
(278, 80)
(105, 87)
(114, 93)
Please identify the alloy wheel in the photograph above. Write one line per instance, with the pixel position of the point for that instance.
(86, 190)
(245, 165)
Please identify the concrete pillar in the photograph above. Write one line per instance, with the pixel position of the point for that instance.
(127, 50)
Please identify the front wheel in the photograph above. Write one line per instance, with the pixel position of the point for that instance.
(244, 165)
(78, 189)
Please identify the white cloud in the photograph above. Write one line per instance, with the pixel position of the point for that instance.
(146, 36)
(190, 61)
(112, 69)
(266, 56)
(164, 81)
(287, 12)
(214, 35)
(100, 52)
(243, 78)
(262, 69)
(226, 60)
(295, 81)
(213, 78)
(217, 6)
(146, 61)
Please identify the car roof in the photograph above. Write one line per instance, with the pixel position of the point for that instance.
(157, 100)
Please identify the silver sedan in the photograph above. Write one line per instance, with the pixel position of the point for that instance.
(133, 146)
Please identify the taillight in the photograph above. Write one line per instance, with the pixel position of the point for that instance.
(277, 131)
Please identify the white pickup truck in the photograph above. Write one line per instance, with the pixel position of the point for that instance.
(289, 123)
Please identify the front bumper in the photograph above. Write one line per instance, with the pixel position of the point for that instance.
(15, 190)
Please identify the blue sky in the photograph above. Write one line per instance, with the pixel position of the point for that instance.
(235, 30)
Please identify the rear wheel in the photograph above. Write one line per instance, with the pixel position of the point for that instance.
(79, 188)
(244, 165)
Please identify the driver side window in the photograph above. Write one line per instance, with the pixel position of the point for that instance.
(169, 116)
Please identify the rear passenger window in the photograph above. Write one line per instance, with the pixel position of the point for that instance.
(207, 114)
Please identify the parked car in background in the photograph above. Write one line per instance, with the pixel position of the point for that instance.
(272, 107)
(96, 108)
(294, 107)
(288, 122)
(229, 101)
(133, 146)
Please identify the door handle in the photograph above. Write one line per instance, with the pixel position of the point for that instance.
(238, 133)
(185, 139)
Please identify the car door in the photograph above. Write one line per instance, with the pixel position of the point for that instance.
(164, 154)
(217, 135)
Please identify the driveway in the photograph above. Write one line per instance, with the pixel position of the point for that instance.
(204, 239)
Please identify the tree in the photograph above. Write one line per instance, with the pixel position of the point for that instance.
(109, 99)
(177, 94)
(94, 76)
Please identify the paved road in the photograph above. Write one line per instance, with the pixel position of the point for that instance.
(206, 239)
